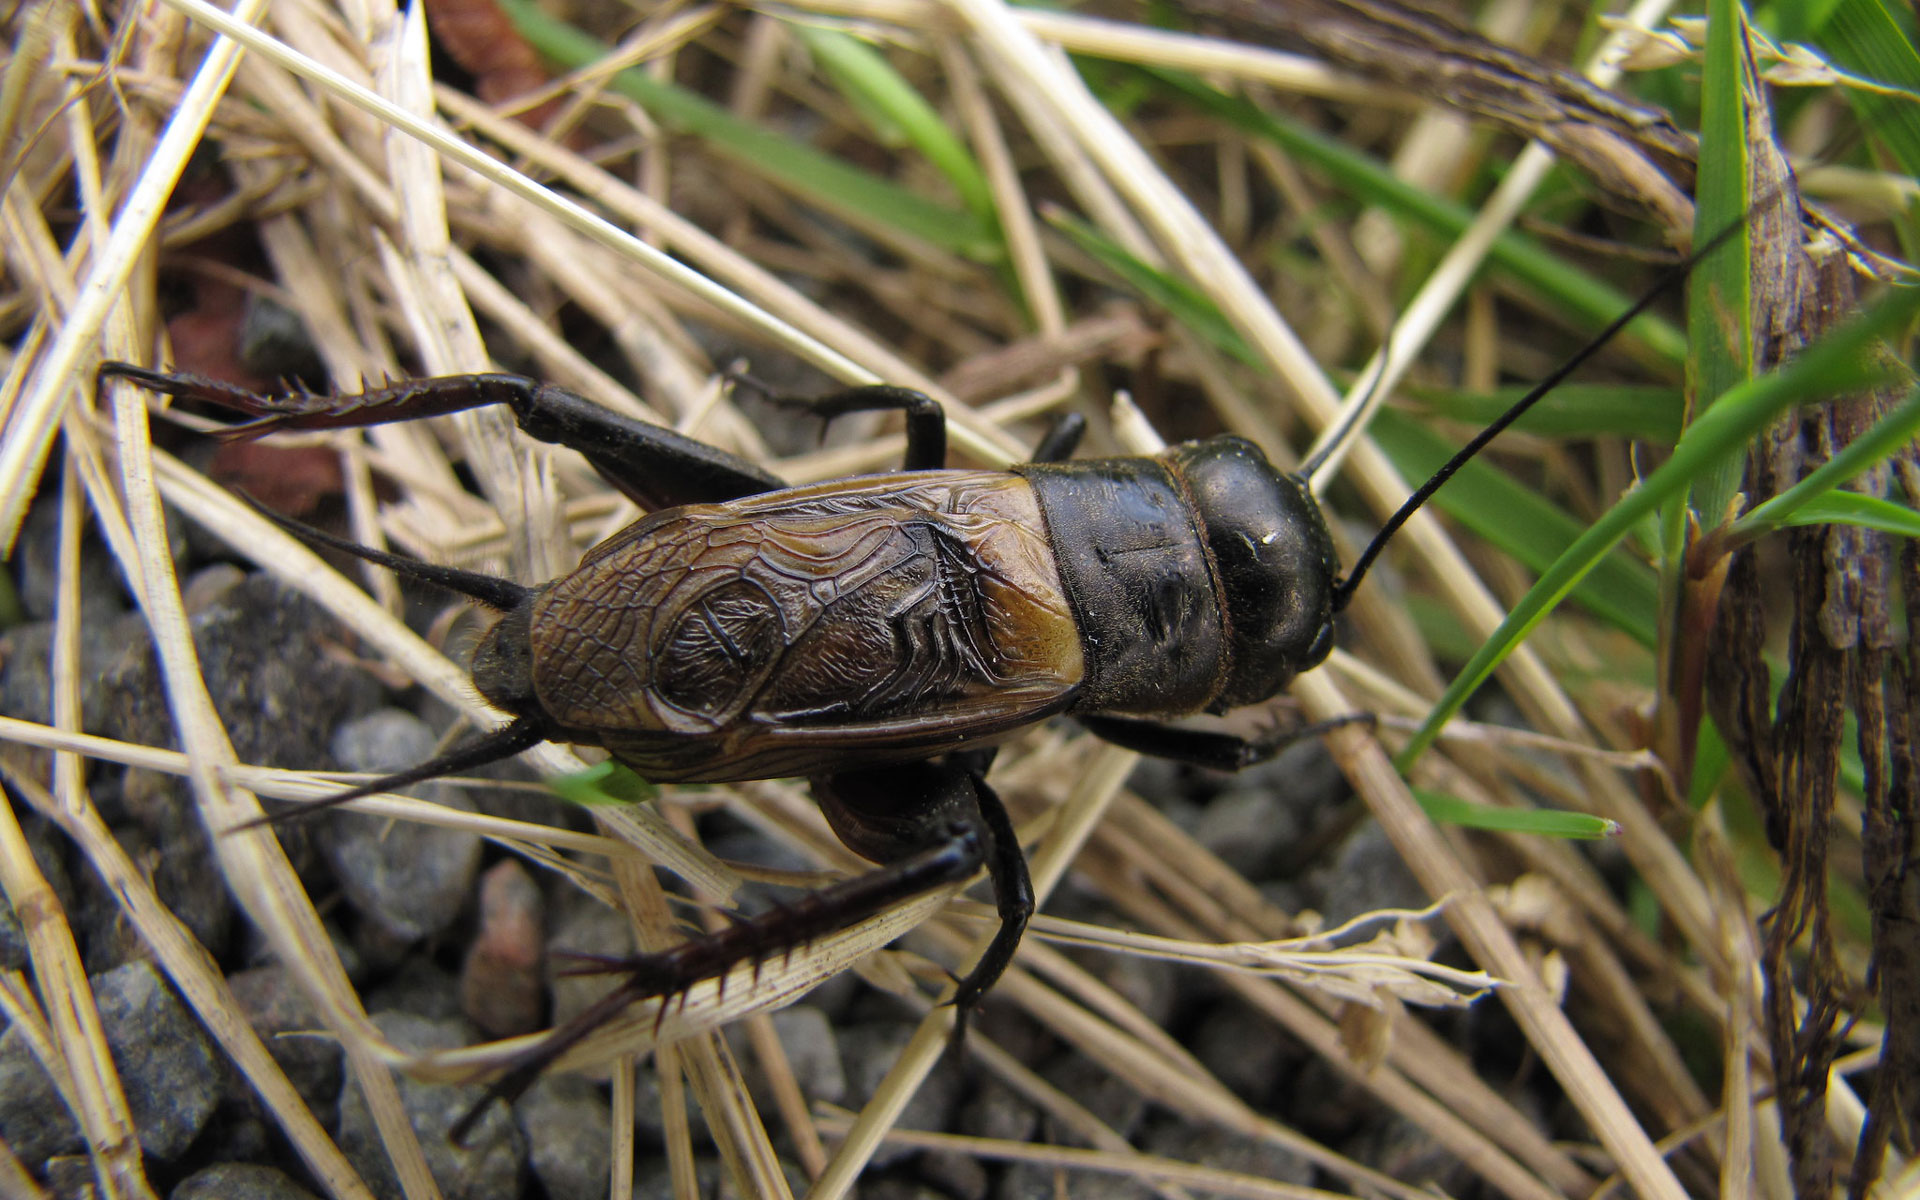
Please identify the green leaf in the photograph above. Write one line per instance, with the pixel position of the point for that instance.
(604, 783)
(822, 180)
(1541, 822)
(1848, 359)
(1863, 37)
(1710, 764)
(1887, 435)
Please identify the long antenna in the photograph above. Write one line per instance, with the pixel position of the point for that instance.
(1343, 591)
(522, 733)
(503, 595)
(1353, 415)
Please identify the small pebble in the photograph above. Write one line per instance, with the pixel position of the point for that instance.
(239, 1181)
(649, 1119)
(167, 1069)
(954, 1175)
(901, 1188)
(286, 1020)
(653, 1178)
(1250, 1054)
(492, 1164)
(997, 1111)
(582, 925)
(812, 1054)
(1368, 874)
(410, 879)
(420, 987)
(1116, 1103)
(868, 1051)
(501, 985)
(1035, 1181)
(568, 1124)
(36, 563)
(1248, 828)
(1209, 1146)
(34, 1121)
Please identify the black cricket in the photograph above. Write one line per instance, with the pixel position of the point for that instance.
(878, 634)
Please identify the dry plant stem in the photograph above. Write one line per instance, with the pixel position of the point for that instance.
(442, 323)
(1739, 1172)
(771, 1056)
(1167, 1073)
(578, 218)
(57, 375)
(1024, 249)
(979, 438)
(1133, 1166)
(1454, 1108)
(255, 867)
(1492, 946)
(1097, 786)
(1120, 42)
(1157, 1069)
(303, 785)
(72, 1019)
(737, 1131)
(777, 1068)
(14, 1180)
(200, 982)
(1206, 260)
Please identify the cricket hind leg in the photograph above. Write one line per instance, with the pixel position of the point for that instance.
(950, 846)
(653, 466)
(868, 813)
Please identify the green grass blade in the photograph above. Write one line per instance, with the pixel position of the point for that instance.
(1720, 290)
(1181, 300)
(896, 112)
(1851, 508)
(1540, 822)
(1647, 412)
(1862, 36)
(1849, 359)
(1817, 499)
(822, 180)
(1522, 523)
(1585, 300)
